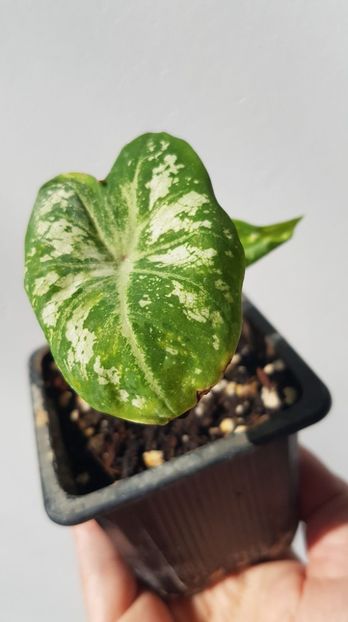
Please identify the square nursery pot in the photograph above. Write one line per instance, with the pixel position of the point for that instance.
(215, 509)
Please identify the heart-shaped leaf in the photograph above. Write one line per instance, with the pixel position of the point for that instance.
(259, 241)
(136, 280)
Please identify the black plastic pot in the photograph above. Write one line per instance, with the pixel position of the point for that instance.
(218, 508)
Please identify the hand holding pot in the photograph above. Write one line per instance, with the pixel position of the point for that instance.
(268, 592)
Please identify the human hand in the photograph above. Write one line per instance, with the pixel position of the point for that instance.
(285, 590)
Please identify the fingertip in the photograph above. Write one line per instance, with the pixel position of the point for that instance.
(148, 608)
(84, 531)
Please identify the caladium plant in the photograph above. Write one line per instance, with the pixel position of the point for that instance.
(136, 280)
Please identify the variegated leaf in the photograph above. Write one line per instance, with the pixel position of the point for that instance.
(136, 280)
(258, 241)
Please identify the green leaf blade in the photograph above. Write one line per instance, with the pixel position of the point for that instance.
(258, 241)
(136, 281)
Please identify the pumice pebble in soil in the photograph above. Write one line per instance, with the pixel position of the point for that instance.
(153, 458)
(270, 398)
(226, 425)
(240, 429)
(290, 395)
(83, 404)
(220, 386)
(277, 365)
(74, 415)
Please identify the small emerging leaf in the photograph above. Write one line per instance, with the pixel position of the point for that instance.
(259, 241)
(136, 280)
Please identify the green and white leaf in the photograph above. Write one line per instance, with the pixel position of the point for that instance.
(259, 241)
(136, 280)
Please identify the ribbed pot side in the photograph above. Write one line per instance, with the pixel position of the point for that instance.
(217, 520)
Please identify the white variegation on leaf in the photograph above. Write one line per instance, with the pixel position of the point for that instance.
(136, 280)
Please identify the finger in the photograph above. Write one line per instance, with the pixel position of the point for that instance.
(318, 485)
(108, 585)
(147, 608)
(324, 508)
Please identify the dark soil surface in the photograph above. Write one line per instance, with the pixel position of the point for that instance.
(102, 449)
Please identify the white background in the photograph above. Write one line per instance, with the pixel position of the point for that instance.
(260, 89)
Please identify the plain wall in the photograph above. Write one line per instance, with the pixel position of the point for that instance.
(260, 89)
